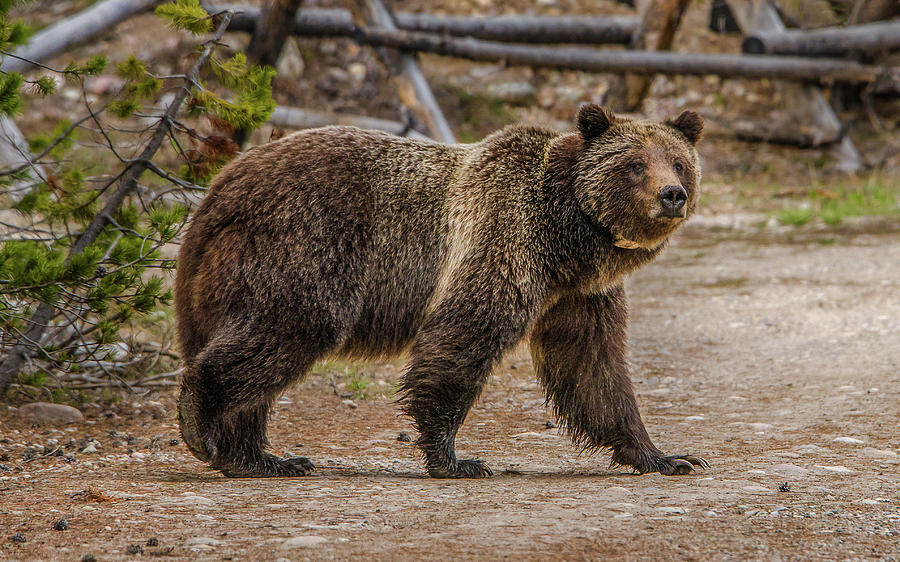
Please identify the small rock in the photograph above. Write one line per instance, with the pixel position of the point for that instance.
(710, 513)
(45, 413)
(549, 424)
(202, 541)
(173, 442)
(88, 558)
(18, 537)
(91, 448)
(695, 418)
(404, 437)
(350, 403)
(61, 525)
(789, 469)
(303, 541)
(848, 440)
(621, 506)
(835, 468)
(874, 453)
(153, 541)
(785, 487)
(135, 549)
(672, 510)
(868, 502)
(204, 517)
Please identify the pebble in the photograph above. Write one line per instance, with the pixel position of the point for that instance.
(695, 418)
(672, 510)
(848, 440)
(204, 517)
(193, 499)
(835, 468)
(45, 413)
(621, 506)
(868, 502)
(789, 469)
(874, 453)
(618, 490)
(303, 541)
(350, 403)
(710, 513)
(202, 541)
(91, 448)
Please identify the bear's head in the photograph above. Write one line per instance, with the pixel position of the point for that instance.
(638, 179)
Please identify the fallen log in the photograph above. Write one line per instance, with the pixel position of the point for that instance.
(868, 39)
(76, 30)
(797, 69)
(296, 118)
(320, 22)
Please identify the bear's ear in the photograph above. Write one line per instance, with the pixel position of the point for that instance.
(690, 124)
(594, 120)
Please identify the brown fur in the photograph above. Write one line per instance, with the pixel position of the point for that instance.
(338, 241)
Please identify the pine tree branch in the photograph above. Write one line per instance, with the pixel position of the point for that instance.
(127, 184)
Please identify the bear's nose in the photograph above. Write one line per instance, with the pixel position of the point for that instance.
(673, 198)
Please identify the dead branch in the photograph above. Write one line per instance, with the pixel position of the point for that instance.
(320, 22)
(868, 39)
(76, 30)
(296, 118)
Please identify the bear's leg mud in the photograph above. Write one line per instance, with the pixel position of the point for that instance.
(229, 389)
(578, 347)
(451, 361)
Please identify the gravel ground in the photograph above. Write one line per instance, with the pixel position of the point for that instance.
(773, 355)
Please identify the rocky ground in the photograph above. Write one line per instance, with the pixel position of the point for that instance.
(773, 355)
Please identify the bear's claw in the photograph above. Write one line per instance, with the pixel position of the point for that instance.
(271, 467)
(676, 465)
(462, 469)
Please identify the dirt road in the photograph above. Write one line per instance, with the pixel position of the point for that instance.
(775, 356)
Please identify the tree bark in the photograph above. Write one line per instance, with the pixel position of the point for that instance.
(870, 39)
(327, 22)
(627, 92)
(273, 27)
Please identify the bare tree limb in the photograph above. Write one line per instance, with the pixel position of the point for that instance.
(296, 118)
(417, 94)
(319, 22)
(76, 30)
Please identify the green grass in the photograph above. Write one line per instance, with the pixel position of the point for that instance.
(795, 216)
(833, 205)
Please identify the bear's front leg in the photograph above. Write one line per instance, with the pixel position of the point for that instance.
(579, 351)
(452, 358)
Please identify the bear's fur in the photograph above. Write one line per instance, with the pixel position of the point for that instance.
(339, 241)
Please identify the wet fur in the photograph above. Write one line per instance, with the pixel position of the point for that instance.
(338, 241)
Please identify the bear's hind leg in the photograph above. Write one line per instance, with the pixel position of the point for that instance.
(227, 392)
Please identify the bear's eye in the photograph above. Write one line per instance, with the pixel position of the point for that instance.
(638, 167)
(679, 167)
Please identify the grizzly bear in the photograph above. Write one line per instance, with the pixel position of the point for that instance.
(343, 242)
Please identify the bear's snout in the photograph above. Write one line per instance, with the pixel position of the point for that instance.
(672, 199)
